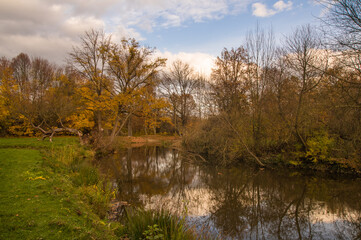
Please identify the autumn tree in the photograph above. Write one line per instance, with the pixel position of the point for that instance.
(33, 92)
(279, 102)
(90, 60)
(342, 26)
(7, 88)
(228, 78)
(133, 74)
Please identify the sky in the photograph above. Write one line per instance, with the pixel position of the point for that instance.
(194, 31)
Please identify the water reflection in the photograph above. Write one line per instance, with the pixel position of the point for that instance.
(238, 203)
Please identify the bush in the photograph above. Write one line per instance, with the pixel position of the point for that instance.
(212, 139)
(318, 147)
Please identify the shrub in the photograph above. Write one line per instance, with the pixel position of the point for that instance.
(318, 147)
(217, 143)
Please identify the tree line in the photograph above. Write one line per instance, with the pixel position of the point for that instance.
(299, 101)
(105, 90)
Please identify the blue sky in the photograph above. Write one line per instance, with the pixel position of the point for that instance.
(211, 36)
(195, 31)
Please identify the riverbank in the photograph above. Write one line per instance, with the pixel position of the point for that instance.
(50, 191)
(150, 140)
(53, 190)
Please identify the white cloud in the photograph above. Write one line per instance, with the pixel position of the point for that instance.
(201, 62)
(172, 20)
(51, 27)
(76, 25)
(261, 10)
(281, 5)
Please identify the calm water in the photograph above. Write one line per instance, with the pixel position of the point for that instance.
(239, 203)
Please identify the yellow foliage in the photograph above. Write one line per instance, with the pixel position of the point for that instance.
(81, 120)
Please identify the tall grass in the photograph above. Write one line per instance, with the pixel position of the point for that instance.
(75, 161)
(150, 224)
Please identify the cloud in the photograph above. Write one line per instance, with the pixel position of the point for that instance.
(201, 62)
(281, 6)
(52, 48)
(165, 13)
(261, 10)
(51, 27)
(75, 25)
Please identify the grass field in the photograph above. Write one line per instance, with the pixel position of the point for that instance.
(39, 197)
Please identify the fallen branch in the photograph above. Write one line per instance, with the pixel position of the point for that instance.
(258, 161)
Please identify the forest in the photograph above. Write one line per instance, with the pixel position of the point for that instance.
(293, 102)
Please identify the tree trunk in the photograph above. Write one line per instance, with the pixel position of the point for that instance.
(130, 128)
(298, 113)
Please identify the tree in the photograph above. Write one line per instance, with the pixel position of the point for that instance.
(343, 27)
(344, 17)
(179, 84)
(133, 73)
(7, 87)
(260, 49)
(228, 78)
(90, 59)
(35, 92)
(21, 67)
(307, 62)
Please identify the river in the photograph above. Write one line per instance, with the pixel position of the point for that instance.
(240, 202)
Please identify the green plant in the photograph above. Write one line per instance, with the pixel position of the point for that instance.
(318, 147)
(171, 227)
(85, 175)
(153, 233)
(99, 196)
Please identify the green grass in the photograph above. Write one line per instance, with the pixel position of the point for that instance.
(39, 197)
(33, 142)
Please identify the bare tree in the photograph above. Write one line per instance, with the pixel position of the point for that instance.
(21, 66)
(179, 85)
(344, 16)
(343, 27)
(260, 47)
(307, 62)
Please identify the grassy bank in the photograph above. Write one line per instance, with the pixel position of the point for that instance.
(50, 191)
(53, 191)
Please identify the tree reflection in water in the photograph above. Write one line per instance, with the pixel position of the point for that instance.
(239, 203)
